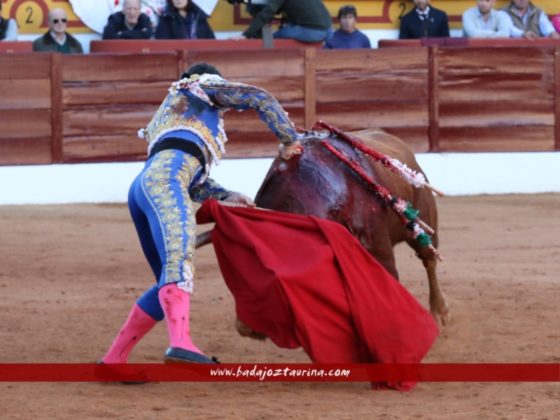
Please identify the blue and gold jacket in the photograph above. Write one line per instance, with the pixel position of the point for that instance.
(195, 106)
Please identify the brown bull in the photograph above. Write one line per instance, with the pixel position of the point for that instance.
(318, 183)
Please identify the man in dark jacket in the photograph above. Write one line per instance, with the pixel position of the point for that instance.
(131, 23)
(424, 22)
(304, 20)
(57, 39)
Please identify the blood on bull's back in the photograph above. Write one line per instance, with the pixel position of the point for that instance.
(318, 183)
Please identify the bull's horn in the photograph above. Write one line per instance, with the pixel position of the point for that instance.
(203, 239)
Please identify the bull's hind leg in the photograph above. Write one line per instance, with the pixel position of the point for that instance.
(438, 304)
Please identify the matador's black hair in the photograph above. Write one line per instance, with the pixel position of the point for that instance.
(200, 68)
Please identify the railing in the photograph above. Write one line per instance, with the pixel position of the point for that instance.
(16, 46)
(69, 108)
(171, 45)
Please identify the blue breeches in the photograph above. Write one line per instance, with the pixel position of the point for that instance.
(163, 215)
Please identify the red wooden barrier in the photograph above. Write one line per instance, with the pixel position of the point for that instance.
(170, 45)
(69, 108)
(16, 46)
(25, 108)
(468, 42)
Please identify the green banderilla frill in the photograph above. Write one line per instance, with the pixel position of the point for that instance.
(410, 212)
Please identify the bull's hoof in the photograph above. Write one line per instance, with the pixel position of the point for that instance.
(245, 331)
(179, 355)
(441, 313)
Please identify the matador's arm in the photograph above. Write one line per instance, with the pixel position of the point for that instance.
(240, 96)
(208, 189)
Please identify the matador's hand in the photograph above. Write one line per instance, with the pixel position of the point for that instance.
(240, 199)
(290, 150)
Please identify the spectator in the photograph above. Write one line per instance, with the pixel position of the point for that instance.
(8, 28)
(57, 39)
(183, 19)
(529, 21)
(303, 20)
(347, 36)
(424, 22)
(483, 21)
(131, 23)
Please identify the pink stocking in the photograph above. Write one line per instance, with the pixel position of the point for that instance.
(176, 307)
(135, 327)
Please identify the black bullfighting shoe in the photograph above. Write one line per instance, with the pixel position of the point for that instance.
(107, 373)
(179, 355)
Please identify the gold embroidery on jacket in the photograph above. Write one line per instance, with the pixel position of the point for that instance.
(169, 117)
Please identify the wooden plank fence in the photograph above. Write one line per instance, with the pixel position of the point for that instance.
(476, 98)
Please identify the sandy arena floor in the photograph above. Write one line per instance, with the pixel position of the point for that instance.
(69, 274)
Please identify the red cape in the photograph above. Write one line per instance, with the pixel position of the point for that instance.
(305, 281)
